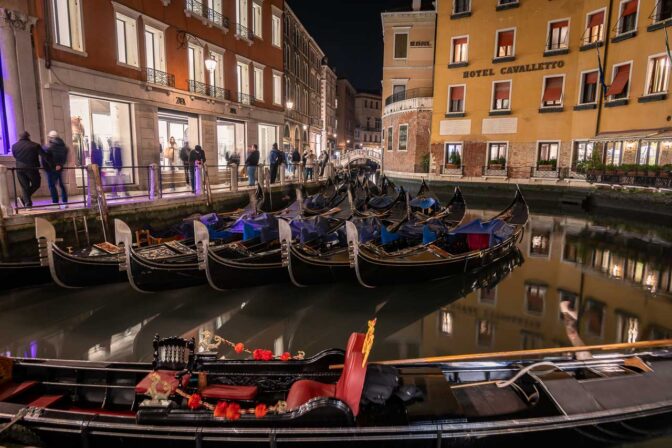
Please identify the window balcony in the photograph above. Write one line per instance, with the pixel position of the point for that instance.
(159, 78)
(244, 98)
(209, 15)
(244, 33)
(422, 92)
(202, 88)
(414, 99)
(198, 87)
(495, 169)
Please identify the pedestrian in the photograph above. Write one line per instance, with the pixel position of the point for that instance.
(169, 154)
(54, 159)
(296, 159)
(310, 164)
(96, 152)
(184, 157)
(324, 158)
(27, 154)
(276, 157)
(116, 160)
(234, 158)
(251, 163)
(196, 159)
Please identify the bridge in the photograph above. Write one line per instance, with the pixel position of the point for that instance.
(360, 154)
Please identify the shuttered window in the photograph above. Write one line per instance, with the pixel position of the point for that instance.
(589, 87)
(460, 48)
(502, 96)
(595, 28)
(620, 84)
(504, 44)
(456, 101)
(553, 91)
(558, 35)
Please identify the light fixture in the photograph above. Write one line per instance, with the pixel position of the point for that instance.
(335, 135)
(348, 141)
(210, 63)
(290, 104)
(305, 127)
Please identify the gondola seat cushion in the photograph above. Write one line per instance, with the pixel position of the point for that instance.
(165, 375)
(350, 384)
(225, 392)
(10, 390)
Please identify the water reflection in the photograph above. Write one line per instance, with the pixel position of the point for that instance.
(573, 283)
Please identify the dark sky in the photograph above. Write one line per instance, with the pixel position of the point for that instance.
(350, 34)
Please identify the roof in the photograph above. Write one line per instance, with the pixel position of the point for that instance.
(427, 5)
(634, 134)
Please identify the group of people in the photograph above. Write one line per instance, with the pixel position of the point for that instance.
(188, 157)
(30, 156)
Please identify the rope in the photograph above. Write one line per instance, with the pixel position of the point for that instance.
(502, 384)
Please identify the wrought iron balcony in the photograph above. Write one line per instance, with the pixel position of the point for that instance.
(219, 93)
(201, 10)
(244, 33)
(422, 92)
(244, 98)
(198, 87)
(316, 122)
(158, 77)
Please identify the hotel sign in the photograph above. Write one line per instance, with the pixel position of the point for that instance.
(421, 44)
(509, 69)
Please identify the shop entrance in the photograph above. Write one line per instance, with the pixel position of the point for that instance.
(175, 130)
(230, 139)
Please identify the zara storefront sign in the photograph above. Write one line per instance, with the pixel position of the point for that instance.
(509, 69)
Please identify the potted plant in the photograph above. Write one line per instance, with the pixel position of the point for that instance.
(424, 163)
(497, 164)
(547, 165)
(454, 161)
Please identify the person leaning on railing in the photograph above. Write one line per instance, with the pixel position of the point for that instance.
(251, 163)
(54, 159)
(27, 154)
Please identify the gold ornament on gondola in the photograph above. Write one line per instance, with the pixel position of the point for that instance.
(368, 341)
(153, 391)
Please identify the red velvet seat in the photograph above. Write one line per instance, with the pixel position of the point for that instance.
(225, 392)
(350, 384)
(10, 390)
(46, 401)
(166, 375)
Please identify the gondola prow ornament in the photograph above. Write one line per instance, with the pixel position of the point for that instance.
(368, 341)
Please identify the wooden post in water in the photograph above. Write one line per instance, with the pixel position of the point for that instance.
(101, 201)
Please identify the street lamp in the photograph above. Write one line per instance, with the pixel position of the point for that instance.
(305, 127)
(210, 63)
(335, 135)
(290, 104)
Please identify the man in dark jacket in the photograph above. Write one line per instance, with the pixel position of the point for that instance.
(196, 157)
(27, 155)
(55, 158)
(184, 158)
(251, 163)
(276, 157)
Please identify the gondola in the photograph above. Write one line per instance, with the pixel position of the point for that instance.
(313, 262)
(336, 398)
(466, 248)
(15, 274)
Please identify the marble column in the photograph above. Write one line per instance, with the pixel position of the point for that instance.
(18, 74)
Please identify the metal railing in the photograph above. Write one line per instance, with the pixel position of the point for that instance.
(547, 172)
(421, 92)
(198, 87)
(450, 171)
(219, 93)
(158, 77)
(244, 33)
(208, 13)
(244, 98)
(31, 186)
(637, 178)
(495, 171)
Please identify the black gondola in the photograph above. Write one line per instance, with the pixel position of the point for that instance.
(198, 400)
(310, 263)
(376, 266)
(15, 274)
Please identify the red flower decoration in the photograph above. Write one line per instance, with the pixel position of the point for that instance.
(239, 347)
(256, 354)
(262, 355)
(286, 356)
(261, 410)
(232, 411)
(194, 401)
(220, 409)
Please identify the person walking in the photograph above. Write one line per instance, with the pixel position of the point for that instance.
(296, 160)
(53, 161)
(251, 163)
(310, 165)
(196, 159)
(27, 154)
(116, 160)
(169, 154)
(276, 157)
(184, 157)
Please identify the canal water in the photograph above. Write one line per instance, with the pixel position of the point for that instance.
(573, 281)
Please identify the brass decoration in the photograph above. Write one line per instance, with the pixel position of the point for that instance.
(206, 343)
(368, 341)
(152, 390)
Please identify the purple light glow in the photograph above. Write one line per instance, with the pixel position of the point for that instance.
(33, 349)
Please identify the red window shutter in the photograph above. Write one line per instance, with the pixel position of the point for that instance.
(553, 90)
(502, 91)
(557, 25)
(591, 78)
(505, 38)
(457, 93)
(630, 8)
(460, 41)
(620, 80)
(596, 19)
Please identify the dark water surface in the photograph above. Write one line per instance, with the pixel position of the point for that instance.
(615, 281)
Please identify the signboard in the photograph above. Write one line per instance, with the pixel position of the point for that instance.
(421, 44)
(510, 69)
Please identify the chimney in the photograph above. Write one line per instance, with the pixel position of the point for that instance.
(416, 5)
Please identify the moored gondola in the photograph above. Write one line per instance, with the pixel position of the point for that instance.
(15, 274)
(442, 253)
(195, 399)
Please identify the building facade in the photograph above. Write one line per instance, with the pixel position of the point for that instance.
(346, 119)
(303, 82)
(328, 106)
(408, 64)
(137, 76)
(547, 89)
(368, 112)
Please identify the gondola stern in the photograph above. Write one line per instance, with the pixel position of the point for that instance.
(285, 236)
(353, 251)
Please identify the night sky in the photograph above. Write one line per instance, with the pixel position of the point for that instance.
(350, 34)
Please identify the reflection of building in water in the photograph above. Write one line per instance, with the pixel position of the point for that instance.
(618, 284)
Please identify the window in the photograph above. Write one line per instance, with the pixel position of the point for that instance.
(456, 99)
(547, 151)
(553, 91)
(497, 153)
(485, 333)
(535, 296)
(592, 321)
(588, 93)
(583, 152)
(195, 55)
(400, 45)
(558, 34)
(241, 16)
(154, 50)
(627, 22)
(540, 242)
(213, 12)
(501, 95)
(627, 328)
(403, 137)
(461, 6)
(594, 28)
(259, 83)
(389, 139)
(243, 75)
(460, 50)
(488, 296)
(452, 155)
(506, 2)
(68, 23)
(446, 323)
(256, 20)
(277, 31)
(648, 153)
(277, 89)
(613, 153)
(217, 76)
(505, 41)
(664, 10)
(658, 75)
(127, 40)
(620, 84)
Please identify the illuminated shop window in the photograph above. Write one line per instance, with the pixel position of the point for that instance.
(535, 296)
(627, 328)
(485, 333)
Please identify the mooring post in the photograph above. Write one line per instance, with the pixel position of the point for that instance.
(198, 180)
(281, 173)
(5, 202)
(234, 177)
(154, 179)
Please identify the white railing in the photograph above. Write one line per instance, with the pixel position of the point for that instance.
(371, 154)
(410, 104)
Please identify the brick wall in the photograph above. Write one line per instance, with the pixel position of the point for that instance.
(419, 123)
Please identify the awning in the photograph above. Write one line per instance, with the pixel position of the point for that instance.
(502, 91)
(629, 8)
(634, 135)
(620, 80)
(506, 38)
(591, 78)
(596, 19)
(457, 93)
(553, 91)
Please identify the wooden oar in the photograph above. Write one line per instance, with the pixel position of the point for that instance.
(524, 353)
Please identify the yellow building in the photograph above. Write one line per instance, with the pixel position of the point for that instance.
(518, 91)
